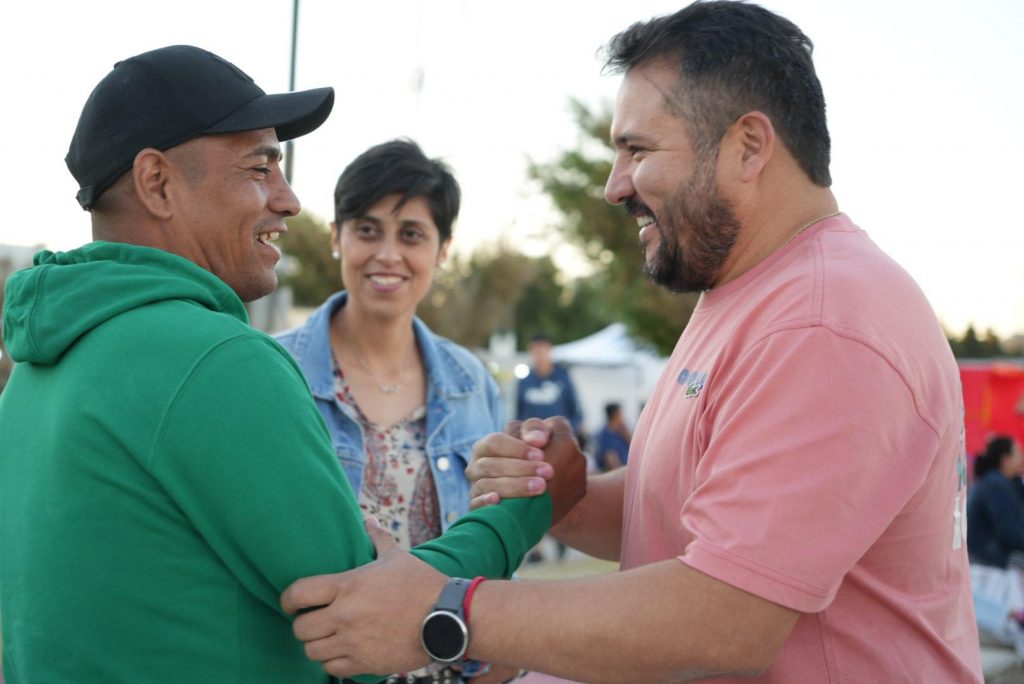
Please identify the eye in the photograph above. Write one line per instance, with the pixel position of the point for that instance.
(365, 229)
(636, 152)
(262, 170)
(413, 235)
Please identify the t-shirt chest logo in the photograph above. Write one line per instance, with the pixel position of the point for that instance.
(693, 381)
(548, 392)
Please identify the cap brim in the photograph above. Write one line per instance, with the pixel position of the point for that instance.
(290, 114)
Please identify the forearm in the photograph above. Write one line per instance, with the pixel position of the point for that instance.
(594, 526)
(490, 541)
(674, 623)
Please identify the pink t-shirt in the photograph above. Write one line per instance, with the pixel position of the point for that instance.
(805, 444)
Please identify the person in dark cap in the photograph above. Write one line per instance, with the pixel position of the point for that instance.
(164, 472)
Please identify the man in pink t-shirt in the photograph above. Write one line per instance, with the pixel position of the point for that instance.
(805, 445)
(793, 505)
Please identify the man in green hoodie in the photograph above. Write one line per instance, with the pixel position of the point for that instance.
(164, 473)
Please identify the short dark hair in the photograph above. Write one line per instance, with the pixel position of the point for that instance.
(611, 408)
(734, 58)
(998, 448)
(397, 166)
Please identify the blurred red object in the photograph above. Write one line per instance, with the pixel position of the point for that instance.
(993, 402)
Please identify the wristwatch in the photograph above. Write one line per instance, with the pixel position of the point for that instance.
(444, 634)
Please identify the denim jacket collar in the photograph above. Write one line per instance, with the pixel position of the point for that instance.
(446, 374)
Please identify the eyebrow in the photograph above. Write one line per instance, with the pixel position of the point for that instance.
(272, 152)
(627, 139)
(377, 220)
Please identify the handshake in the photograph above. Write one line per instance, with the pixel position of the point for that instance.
(527, 459)
(369, 619)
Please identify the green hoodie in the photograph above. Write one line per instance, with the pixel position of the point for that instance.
(165, 474)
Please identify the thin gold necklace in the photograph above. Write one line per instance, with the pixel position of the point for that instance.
(386, 389)
(807, 225)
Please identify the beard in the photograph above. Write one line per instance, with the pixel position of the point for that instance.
(710, 228)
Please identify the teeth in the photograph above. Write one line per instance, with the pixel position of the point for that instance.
(644, 221)
(268, 237)
(386, 280)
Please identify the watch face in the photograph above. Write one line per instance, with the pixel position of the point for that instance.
(445, 636)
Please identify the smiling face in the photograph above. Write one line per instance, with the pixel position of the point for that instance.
(229, 207)
(687, 228)
(389, 255)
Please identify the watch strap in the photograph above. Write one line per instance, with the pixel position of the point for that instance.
(453, 596)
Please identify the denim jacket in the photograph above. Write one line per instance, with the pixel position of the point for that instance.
(463, 404)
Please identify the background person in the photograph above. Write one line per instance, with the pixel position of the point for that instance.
(403, 405)
(612, 442)
(995, 511)
(548, 389)
(792, 504)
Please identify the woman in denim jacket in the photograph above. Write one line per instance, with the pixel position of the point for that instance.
(403, 405)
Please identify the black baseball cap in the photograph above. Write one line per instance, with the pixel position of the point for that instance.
(169, 96)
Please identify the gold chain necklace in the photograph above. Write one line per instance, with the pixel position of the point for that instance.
(386, 389)
(807, 225)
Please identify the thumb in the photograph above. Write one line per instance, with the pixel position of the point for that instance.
(382, 540)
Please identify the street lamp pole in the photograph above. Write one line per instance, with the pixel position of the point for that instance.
(289, 147)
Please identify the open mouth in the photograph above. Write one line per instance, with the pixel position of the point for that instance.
(385, 279)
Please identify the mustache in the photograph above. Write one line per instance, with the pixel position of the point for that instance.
(635, 208)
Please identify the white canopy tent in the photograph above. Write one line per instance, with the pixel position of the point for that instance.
(610, 366)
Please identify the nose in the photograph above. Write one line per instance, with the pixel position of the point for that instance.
(619, 186)
(388, 249)
(284, 201)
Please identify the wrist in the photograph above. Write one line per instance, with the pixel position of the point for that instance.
(470, 591)
(444, 633)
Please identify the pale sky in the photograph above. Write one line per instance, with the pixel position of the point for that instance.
(925, 103)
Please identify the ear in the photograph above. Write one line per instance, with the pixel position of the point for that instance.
(335, 238)
(150, 174)
(442, 254)
(754, 139)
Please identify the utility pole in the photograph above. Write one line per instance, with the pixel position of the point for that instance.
(289, 147)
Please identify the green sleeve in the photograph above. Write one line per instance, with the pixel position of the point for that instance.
(491, 541)
(244, 452)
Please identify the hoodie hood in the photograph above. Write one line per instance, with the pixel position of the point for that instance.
(66, 294)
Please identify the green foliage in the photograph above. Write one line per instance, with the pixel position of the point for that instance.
(499, 288)
(970, 346)
(566, 311)
(312, 274)
(475, 295)
(607, 236)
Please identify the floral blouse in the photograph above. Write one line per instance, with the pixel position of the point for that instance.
(398, 487)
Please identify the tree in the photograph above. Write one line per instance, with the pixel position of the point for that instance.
(500, 289)
(970, 346)
(564, 309)
(476, 294)
(312, 273)
(607, 236)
